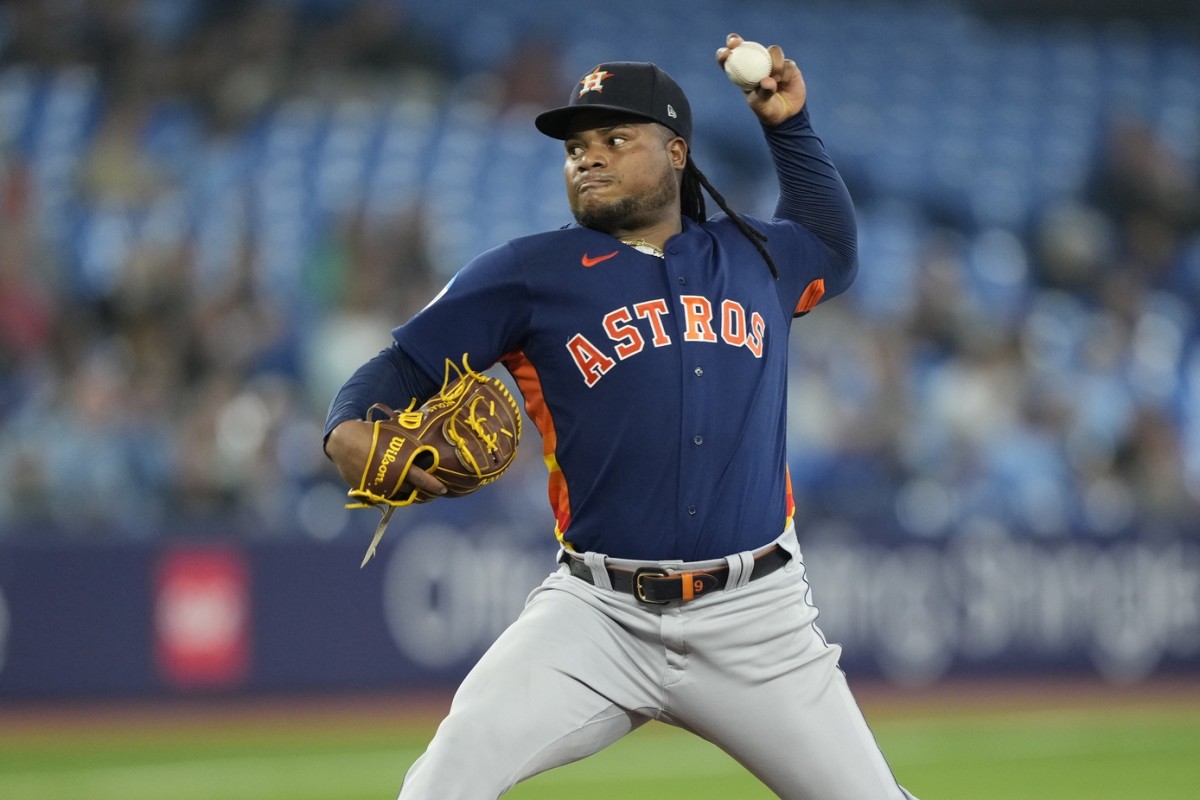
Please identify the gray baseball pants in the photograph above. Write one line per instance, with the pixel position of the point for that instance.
(746, 668)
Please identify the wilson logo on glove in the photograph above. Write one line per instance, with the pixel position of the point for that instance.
(388, 457)
(466, 436)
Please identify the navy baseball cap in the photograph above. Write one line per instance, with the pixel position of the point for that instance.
(636, 87)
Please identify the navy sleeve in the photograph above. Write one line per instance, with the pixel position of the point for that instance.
(479, 315)
(812, 192)
(482, 315)
(391, 377)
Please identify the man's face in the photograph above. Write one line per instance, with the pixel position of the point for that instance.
(621, 173)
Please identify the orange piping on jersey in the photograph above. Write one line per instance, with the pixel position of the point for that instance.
(559, 502)
(791, 499)
(812, 295)
(530, 385)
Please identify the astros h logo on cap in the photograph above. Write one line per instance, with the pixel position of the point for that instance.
(635, 87)
(593, 81)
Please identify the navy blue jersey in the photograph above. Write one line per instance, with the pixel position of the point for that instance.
(659, 385)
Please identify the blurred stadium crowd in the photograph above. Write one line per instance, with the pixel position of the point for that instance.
(210, 211)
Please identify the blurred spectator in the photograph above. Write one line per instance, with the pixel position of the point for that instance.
(370, 276)
(1138, 181)
(532, 73)
(209, 209)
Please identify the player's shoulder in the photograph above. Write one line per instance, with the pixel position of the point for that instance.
(721, 227)
(521, 250)
(549, 241)
(550, 249)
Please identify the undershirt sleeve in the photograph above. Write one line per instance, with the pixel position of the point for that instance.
(811, 191)
(391, 377)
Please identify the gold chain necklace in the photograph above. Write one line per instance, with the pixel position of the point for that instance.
(642, 246)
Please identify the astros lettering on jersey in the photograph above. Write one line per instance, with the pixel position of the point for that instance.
(595, 331)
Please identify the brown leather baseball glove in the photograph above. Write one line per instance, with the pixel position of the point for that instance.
(466, 436)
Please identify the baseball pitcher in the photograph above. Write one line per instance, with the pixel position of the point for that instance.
(649, 342)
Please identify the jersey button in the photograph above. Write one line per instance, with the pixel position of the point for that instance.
(698, 439)
(691, 511)
(682, 280)
(699, 371)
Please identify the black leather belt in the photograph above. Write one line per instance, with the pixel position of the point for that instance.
(657, 585)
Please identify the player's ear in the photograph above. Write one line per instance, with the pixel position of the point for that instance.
(677, 151)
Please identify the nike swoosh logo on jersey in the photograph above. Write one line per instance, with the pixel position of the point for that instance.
(591, 262)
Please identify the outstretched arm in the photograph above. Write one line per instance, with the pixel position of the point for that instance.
(811, 191)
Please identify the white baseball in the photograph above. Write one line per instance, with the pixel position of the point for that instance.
(747, 64)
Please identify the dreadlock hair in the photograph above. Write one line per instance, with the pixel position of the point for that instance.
(692, 205)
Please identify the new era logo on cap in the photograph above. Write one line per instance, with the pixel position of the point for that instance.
(639, 88)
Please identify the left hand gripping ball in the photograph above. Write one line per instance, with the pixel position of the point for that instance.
(747, 64)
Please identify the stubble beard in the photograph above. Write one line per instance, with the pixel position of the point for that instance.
(627, 213)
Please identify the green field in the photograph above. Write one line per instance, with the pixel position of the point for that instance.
(978, 745)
